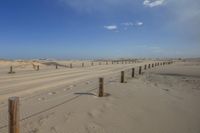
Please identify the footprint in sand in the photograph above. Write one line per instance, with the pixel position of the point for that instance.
(51, 93)
(97, 112)
(67, 116)
(53, 130)
(44, 119)
(35, 130)
(88, 82)
(94, 128)
(41, 99)
(66, 89)
(71, 86)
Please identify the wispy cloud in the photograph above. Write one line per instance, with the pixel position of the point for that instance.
(153, 3)
(123, 26)
(139, 24)
(127, 25)
(111, 27)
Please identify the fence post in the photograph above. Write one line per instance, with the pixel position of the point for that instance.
(101, 87)
(13, 110)
(38, 67)
(70, 65)
(152, 65)
(82, 64)
(149, 66)
(11, 70)
(133, 72)
(122, 76)
(145, 67)
(140, 70)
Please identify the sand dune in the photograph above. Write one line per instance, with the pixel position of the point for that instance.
(163, 99)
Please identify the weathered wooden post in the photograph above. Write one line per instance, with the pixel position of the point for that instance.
(145, 67)
(152, 65)
(140, 70)
(11, 70)
(101, 87)
(38, 67)
(122, 76)
(70, 65)
(133, 72)
(82, 64)
(149, 66)
(13, 112)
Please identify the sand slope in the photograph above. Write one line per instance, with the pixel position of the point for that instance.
(162, 100)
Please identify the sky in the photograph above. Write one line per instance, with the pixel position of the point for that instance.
(90, 29)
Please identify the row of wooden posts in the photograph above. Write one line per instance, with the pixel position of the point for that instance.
(13, 102)
(122, 80)
(37, 67)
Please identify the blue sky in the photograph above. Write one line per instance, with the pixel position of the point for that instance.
(84, 29)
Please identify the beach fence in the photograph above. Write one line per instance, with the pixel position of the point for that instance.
(14, 119)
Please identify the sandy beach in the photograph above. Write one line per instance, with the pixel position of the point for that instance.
(163, 99)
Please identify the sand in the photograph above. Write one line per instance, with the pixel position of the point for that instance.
(164, 99)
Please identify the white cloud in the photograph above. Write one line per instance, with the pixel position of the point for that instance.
(139, 24)
(128, 24)
(111, 27)
(153, 3)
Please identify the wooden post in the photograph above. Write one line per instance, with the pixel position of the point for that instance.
(122, 76)
(149, 66)
(133, 72)
(140, 70)
(101, 87)
(82, 64)
(152, 65)
(145, 67)
(71, 65)
(11, 70)
(38, 67)
(106, 62)
(13, 110)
